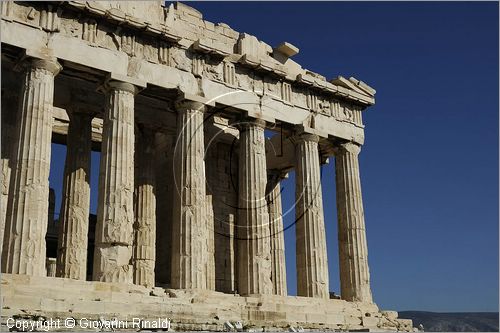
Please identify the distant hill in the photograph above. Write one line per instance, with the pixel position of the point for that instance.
(453, 321)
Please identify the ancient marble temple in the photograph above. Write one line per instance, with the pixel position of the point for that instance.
(196, 126)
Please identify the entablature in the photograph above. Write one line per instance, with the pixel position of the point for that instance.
(175, 49)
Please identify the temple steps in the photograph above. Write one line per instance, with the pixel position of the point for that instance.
(30, 297)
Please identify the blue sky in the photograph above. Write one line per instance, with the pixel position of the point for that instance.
(429, 166)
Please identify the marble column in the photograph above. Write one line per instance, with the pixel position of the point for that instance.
(9, 111)
(145, 209)
(51, 266)
(254, 248)
(277, 233)
(312, 263)
(210, 239)
(75, 207)
(115, 214)
(27, 208)
(353, 251)
(189, 227)
(164, 197)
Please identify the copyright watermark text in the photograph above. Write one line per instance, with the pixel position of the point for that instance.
(43, 324)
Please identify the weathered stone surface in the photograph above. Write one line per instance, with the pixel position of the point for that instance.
(50, 266)
(210, 246)
(189, 223)
(164, 195)
(215, 225)
(312, 263)
(27, 209)
(254, 248)
(222, 183)
(9, 112)
(353, 250)
(143, 259)
(115, 215)
(392, 315)
(190, 309)
(74, 216)
(276, 233)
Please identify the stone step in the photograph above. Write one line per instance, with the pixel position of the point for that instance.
(60, 298)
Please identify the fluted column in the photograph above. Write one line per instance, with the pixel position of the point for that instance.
(74, 216)
(254, 248)
(164, 197)
(27, 208)
(353, 251)
(115, 214)
(189, 227)
(9, 112)
(312, 263)
(51, 266)
(278, 264)
(210, 239)
(145, 210)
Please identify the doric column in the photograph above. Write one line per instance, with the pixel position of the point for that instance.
(210, 239)
(74, 216)
(164, 197)
(312, 263)
(353, 251)
(278, 264)
(27, 208)
(115, 214)
(51, 266)
(9, 112)
(189, 227)
(145, 210)
(254, 252)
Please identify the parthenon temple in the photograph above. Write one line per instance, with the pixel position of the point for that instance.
(196, 126)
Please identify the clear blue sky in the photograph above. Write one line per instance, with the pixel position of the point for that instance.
(429, 167)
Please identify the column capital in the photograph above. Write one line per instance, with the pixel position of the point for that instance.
(40, 60)
(348, 147)
(305, 137)
(183, 105)
(246, 122)
(120, 85)
(123, 83)
(186, 101)
(51, 65)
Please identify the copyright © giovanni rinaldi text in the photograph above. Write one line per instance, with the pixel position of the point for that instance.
(86, 323)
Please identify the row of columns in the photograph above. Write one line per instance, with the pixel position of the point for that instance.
(125, 231)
